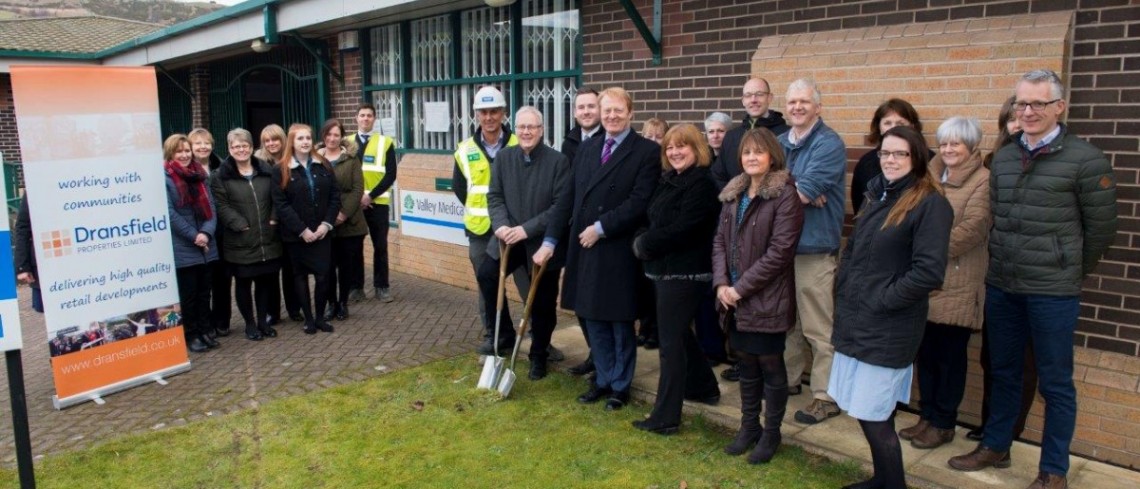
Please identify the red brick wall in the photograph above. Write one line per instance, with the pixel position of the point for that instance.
(9, 138)
(708, 46)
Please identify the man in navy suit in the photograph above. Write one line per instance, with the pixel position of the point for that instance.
(614, 177)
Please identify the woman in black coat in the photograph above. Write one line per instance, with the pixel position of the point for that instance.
(307, 201)
(243, 189)
(894, 259)
(676, 251)
(612, 185)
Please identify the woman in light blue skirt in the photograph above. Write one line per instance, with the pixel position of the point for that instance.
(894, 258)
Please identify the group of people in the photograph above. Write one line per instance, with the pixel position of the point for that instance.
(264, 222)
(747, 221)
(723, 245)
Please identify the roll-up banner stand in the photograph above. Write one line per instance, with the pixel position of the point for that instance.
(93, 170)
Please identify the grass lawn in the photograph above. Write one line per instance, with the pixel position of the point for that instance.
(430, 427)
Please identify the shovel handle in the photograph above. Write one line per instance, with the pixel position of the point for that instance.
(535, 276)
(504, 252)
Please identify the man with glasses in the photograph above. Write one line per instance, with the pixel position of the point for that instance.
(528, 181)
(1054, 207)
(756, 99)
(817, 159)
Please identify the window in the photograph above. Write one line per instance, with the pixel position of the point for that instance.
(419, 67)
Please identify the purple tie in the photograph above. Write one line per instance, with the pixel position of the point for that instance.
(608, 150)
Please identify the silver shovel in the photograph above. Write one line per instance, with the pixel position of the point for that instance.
(509, 377)
(493, 365)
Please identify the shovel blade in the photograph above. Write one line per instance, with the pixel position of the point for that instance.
(492, 368)
(507, 382)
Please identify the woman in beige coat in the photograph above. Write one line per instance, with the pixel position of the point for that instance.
(956, 309)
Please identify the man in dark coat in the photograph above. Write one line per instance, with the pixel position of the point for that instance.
(1053, 199)
(24, 255)
(757, 97)
(589, 119)
(614, 177)
(527, 183)
(587, 116)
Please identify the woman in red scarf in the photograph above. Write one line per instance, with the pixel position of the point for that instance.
(192, 225)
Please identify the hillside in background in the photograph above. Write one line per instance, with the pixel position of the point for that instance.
(164, 12)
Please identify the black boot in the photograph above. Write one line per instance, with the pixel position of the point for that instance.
(330, 313)
(750, 395)
(252, 333)
(775, 404)
(208, 341)
(342, 311)
(195, 344)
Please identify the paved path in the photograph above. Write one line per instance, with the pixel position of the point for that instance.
(428, 321)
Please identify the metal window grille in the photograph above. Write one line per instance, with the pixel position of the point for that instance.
(447, 58)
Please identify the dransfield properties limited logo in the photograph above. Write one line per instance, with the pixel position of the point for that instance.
(55, 243)
(84, 239)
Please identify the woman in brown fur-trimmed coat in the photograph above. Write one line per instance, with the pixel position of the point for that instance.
(753, 256)
(955, 310)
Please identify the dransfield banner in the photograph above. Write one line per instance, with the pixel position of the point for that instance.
(92, 157)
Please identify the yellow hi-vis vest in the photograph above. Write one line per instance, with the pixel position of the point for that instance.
(373, 165)
(477, 170)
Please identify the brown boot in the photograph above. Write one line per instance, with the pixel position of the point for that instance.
(908, 433)
(932, 438)
(979, 459)
(1046, 480)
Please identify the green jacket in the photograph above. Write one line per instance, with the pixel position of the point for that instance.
(245, 210)
(1054, 215)
(350, 182)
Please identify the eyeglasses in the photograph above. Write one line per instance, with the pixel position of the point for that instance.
(755, 94)
(898, 155)
(1037, 106)
(527, 128)
(240, 146)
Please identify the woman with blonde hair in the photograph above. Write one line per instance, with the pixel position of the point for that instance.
(307, 201)
(270, 152)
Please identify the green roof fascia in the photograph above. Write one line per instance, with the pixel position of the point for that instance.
(174, 30)
(195, 23)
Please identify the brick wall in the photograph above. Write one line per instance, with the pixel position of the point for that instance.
(708, 47)
(345, 96)
(200, 103)
(9, 138)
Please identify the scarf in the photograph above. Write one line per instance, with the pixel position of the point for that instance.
(190, 181)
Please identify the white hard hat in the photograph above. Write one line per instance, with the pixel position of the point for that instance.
(489, 98)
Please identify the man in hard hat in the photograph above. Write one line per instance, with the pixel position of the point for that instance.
(471, 180)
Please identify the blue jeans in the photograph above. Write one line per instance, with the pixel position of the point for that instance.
(1049, 320)
(614, 346)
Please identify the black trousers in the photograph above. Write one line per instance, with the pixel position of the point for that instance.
(220, 281)
(543, 313)
(377, 219)
(347, 263)
(284, 287)
(942, 373)
(683, 366)
(707, 326)
(194, 296)
(262, 286)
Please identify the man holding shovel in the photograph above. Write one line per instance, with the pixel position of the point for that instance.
(527, 182)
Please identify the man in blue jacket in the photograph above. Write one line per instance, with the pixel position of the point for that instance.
(817, 159)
